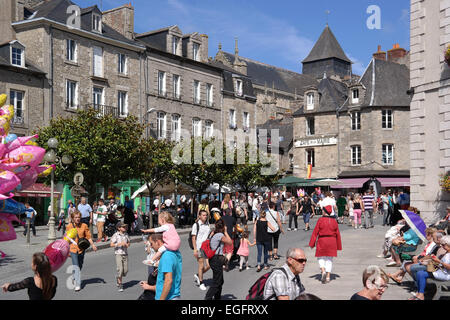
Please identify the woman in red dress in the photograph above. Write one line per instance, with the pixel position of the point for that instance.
(328, 239)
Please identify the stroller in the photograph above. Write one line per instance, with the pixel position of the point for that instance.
(110, 225)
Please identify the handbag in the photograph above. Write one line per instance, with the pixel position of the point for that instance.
(82, 243)
(432, 266)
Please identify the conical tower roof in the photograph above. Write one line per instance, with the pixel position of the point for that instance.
(326, 47)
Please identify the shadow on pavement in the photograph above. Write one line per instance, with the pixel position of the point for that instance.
(229, 297)
(318, 276)
(8, 259)
(130, 284)
(91, 281)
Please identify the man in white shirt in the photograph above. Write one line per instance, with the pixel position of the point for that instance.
(168, 202)
(156, 202)
(200, 232)
(329, 201)
(255, 208)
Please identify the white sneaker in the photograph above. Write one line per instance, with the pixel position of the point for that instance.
(288, 229)
(202, 287)
(120, 288)
(295, 229)
(197, 279)
(380, 256)
(77, 288)
(248, 268)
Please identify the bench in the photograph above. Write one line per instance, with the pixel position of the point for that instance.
(442, 288)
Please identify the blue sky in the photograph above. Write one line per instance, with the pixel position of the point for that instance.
(279, 33)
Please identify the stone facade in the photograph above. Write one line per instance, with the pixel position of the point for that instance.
(430, 107)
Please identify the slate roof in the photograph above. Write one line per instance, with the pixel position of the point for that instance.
(283, 80)
(390, 86)
(286, 130)
(333, 95)
(5, 61)
(326, 47)
(228, 86)
(55, 10)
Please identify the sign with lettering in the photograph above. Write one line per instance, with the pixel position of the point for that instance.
(315, 142)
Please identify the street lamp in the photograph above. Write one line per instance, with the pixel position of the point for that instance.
(52, 157)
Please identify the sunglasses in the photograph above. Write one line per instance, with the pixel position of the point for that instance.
(300, 260)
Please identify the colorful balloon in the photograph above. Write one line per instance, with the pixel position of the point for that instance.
(17, 142)
(6, 115)
(58, 251)
(3, 98)
(31, 155)
(8, 181)
(10, 137)
(27, 178)
(11, 206)
(45, 170)
(7, 231)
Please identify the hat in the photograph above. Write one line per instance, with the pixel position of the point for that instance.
(121, 224)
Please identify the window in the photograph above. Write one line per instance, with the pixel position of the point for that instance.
(310, 101)
(122, 103)
(310, 127)
(122, 63)
(196, 127)
(16, 99)
(71, 94)
(232, 119)
(310, 157)
(355, 96)
(96, 23)
(161, 125)
(209, 129)
(386, 119)
(196, 52)
(246, 122)
(175, 41)
(356, 155)
(196, 92)
(176, 127)
(98, 61)
(97, 99)
(71, 53)
(239, 91)
(17, 57)
(176, 87)
(161, 83)
(291, 161)
(356, 120)
(388, 154)
(209, 95)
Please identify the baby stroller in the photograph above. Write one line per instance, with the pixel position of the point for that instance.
(110, 225)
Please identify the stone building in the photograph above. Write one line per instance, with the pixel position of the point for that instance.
(430, 106)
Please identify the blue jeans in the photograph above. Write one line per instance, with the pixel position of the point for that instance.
(255, 214)
(261, 246)
(32, 226)
(77, 262)
(421, 280)
(416, 268)
(306, 217)
(86, 221)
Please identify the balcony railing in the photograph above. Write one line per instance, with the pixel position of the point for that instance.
(18, 120)
(105, 110)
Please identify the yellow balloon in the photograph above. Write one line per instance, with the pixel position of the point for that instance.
(71, 234)
(3, 98)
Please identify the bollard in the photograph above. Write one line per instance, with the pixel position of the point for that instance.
(28, 230)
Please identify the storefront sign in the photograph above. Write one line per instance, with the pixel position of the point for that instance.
(315, 142)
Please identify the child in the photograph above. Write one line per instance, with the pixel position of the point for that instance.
(150, 254)
(120, 242)
(390, 235)
(243, 251)
(170, 236)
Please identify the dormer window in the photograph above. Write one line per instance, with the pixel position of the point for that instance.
(355, 96)
(96, 23)
(310, 101)
(196, 52)
(17, 53)
(175, 42)
(239, 86)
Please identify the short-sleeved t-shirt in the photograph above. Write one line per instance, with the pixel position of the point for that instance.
(230, 222)
(443, 274)
(358, 297)
(85, 210)
(278, 205)
(271, 217)
(171, 261)
(368, 201)
(102, 217)
(203, 232)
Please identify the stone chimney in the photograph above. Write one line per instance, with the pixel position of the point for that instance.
(204, 48)
(7, 16)
(380, 55)
(396, 53)
(121, 19)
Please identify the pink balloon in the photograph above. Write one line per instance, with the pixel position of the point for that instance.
(27, 178)
(2, 150)
(12, 166)
(8, 181)
(32, 155)
(18, 142)
(41, 170)
(3, 197)
(57, 253)
(7, 231)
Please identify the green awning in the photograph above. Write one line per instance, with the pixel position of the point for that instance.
(292, 181)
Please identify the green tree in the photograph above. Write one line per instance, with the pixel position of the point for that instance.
(103, 148)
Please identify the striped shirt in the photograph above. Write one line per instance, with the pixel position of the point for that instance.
(368, 201)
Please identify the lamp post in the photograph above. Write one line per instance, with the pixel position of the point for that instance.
(52, 157)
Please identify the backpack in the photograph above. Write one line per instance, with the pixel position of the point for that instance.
(191, 245)
(207, 250)
(256, 291)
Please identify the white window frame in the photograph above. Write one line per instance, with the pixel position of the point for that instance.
(209, 129)
(196, 51)
(308, 126)
(355, 121)
(71, 97)
(97, 73)
(96, 23)
(71, 50)
(355, 96)
(387, 115)
(122, 103)
(246, 121)
(15, 56)
(232, 119)
(175, 44)
(196, 127)
(197, 98)
(176, 127)
(356, 155)
(209, 95)
(14, 102)
(310, 157)
(162, 83)
(310, 101)
(176, 79)
(385, 154)
(122, 63)
(239, 87)
(161, 125)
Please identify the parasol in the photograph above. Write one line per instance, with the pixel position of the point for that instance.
(416, 223)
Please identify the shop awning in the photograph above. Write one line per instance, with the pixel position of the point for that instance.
(354, 183)
(38, 190)
(395, 182)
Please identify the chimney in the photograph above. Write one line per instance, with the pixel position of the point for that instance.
(121, 19)
(7, 16)
(380, 55)
(204, 48)
(396, 53)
